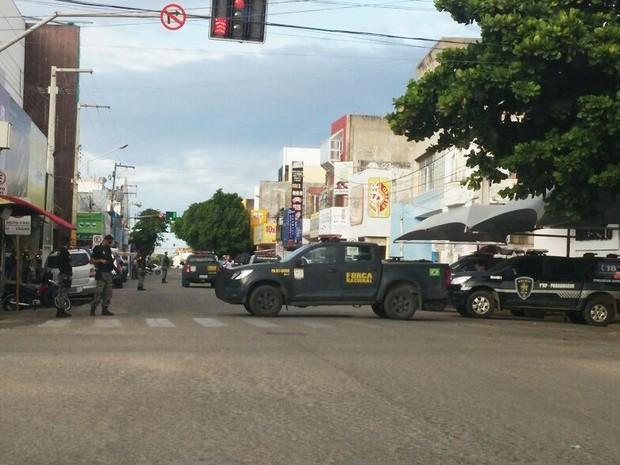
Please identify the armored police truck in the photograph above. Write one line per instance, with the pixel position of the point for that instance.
(337, 273)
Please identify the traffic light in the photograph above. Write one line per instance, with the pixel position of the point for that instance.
(238, 20)
(171, 216)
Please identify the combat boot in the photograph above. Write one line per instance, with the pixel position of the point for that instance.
(62, 314)
(106, 312)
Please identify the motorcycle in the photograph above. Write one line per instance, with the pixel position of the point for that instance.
(156, 269)
(31, 296)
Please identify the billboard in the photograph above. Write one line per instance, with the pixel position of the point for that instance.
(379, 190)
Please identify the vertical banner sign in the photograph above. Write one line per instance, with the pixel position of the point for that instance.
(297, 196)
(379, 190)
(289, 229)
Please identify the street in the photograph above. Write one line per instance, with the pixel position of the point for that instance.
(178, 377)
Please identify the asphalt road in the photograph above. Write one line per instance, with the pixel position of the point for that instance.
(178, 377)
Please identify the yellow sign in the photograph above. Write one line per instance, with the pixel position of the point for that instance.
(358, 278)
(379, 190)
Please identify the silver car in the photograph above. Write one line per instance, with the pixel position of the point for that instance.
(83, 282)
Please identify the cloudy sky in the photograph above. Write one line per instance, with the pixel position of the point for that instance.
(200, 114)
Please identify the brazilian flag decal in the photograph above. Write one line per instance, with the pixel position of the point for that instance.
(434, 272)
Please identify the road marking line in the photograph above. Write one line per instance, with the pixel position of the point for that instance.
(107, 323)
(159, 323)
(260, 323)
(209, 322)
(314, 324)
(55, 324)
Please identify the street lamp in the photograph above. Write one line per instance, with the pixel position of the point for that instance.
(48, 230)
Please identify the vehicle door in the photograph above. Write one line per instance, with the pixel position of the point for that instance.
(520, 284)
(360, 272)
(316, 274)
(561, 282)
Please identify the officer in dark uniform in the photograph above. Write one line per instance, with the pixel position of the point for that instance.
(103, 260)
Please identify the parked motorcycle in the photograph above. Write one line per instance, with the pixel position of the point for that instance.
(32, 296)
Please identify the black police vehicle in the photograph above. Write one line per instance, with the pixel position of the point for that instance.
(337, 273)
(586, 288)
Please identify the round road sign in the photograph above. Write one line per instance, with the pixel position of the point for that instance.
(173, 16)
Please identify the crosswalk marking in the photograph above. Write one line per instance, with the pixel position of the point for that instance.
(107, 323)
(260, 323)
(209, 322)
(159, 323)
(55, 323)
(314, 324)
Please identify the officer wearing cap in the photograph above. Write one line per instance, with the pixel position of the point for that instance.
(103, 260)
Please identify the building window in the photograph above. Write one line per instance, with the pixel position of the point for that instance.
(427, 173)
(335, 148)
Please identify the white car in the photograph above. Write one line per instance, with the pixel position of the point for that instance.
(83, 282)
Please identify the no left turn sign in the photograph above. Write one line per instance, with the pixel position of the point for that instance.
(173, 16)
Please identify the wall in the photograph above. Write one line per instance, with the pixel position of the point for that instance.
(56, 45)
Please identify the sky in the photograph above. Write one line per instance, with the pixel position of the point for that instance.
(198, 114)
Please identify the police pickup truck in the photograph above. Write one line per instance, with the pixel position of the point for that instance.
(337, 273)
(586, 288)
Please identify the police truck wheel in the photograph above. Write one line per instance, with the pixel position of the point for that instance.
(379, 310)
(599, 311)
(401, 303)
(248, 309)
(266, 301)
(480, 305)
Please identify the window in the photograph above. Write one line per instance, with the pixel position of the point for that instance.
(321, 256)
(427, 173)
(358, 253)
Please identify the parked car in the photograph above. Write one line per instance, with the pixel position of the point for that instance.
(83, 282)
(200, 268)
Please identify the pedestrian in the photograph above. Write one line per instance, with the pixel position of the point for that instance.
(141, 266)
(65, 274)
(39, 265)
(103, 260)
(25, 268)
(165, 264)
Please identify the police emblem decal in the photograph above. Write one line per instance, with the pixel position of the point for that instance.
(524, 287)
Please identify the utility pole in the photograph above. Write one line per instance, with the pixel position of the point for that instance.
(112, 197)
(48, 230)
(76, 170)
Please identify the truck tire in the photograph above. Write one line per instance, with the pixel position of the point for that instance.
(480, 304)
(266, 301)
(379, 310)
(401, 303)
(599, 311)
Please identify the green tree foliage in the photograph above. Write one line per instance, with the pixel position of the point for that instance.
(148, 231)
(538, 95)
(220, 224)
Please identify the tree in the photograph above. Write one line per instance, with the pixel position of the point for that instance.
(220, 224)
(538, 95)
(148, 230)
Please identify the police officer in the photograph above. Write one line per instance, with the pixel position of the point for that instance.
(103, 260)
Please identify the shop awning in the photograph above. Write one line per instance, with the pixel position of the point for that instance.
(21, 207)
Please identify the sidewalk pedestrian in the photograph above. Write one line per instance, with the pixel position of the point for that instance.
(103, 260)
(141, 265)
(165, 264)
